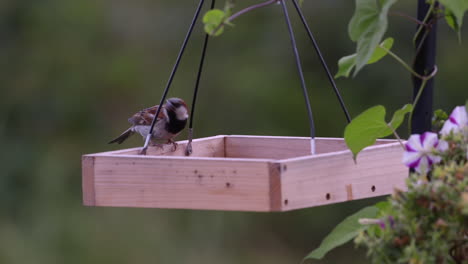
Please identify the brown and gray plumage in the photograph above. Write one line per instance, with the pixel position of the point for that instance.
(171, 121)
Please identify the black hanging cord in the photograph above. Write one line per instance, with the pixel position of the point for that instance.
(174, 70)
(301, 75)
(322, 60)
(188, 150)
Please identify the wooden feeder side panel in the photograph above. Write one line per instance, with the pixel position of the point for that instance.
(266, 147)
(175, 182)
(87, 163)
(204, 147)
(334, 177)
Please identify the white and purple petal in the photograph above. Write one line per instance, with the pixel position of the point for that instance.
(457, 121)
(429, 140)
(419, 153)
(424, 165)
(442, 146)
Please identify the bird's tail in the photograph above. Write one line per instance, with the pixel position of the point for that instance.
(123, 136)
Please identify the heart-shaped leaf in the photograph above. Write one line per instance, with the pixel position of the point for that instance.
(346, 64)
(370, 125)
(367, 27)
(343, 232)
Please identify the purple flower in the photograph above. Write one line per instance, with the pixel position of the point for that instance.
(421, 150)
(382, 224)
(391, 220)
(457, 122)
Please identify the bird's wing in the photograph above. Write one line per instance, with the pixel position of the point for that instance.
(145, 116)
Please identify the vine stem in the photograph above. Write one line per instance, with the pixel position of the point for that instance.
(408, 17)
(424, 79)
(426, 19)
(397, 136)
(420, 91)
(243, 11)
(403, 63)
(250, 8)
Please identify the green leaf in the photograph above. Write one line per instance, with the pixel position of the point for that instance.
(456, 10)
(213, 21)
(370, 125)
(381, 50)
(367, 27)
(347, 63)
(343, 232)
(452, 22)
(364, 130)
(398, 117)
(382, 206)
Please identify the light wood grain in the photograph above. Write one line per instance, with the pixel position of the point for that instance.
(189, 183)
(273, 147)
(202, 147)
(334, 177)
(266, 147)
(87, 163)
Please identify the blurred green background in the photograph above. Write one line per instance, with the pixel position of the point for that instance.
(72, 72)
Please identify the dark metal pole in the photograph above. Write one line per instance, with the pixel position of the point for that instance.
(424, 64)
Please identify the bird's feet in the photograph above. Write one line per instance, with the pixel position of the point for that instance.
(143, 151)
(174, 144)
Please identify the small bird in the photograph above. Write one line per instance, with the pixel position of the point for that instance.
(171, 121)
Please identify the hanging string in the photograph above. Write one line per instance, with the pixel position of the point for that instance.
(301, 76)
(322, 60)
(188, 150)
(174, 70)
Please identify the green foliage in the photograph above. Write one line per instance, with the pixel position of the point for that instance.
(343, 232)
(216, 19)
(214, 22)
(367, 27)
(452, 22)
(438, 119)
(455, 10)
(347, 63)
(370, 125)
(427, 224)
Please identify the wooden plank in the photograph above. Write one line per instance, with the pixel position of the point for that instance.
(181, 182)
(87, 163)
(237, 146)
(334, 177)
(275, 187)
(202, 147)
(272, 147)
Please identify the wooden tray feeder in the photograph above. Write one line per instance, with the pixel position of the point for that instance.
(243, 173)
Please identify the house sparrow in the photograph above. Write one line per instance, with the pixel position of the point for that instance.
(171, 120)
